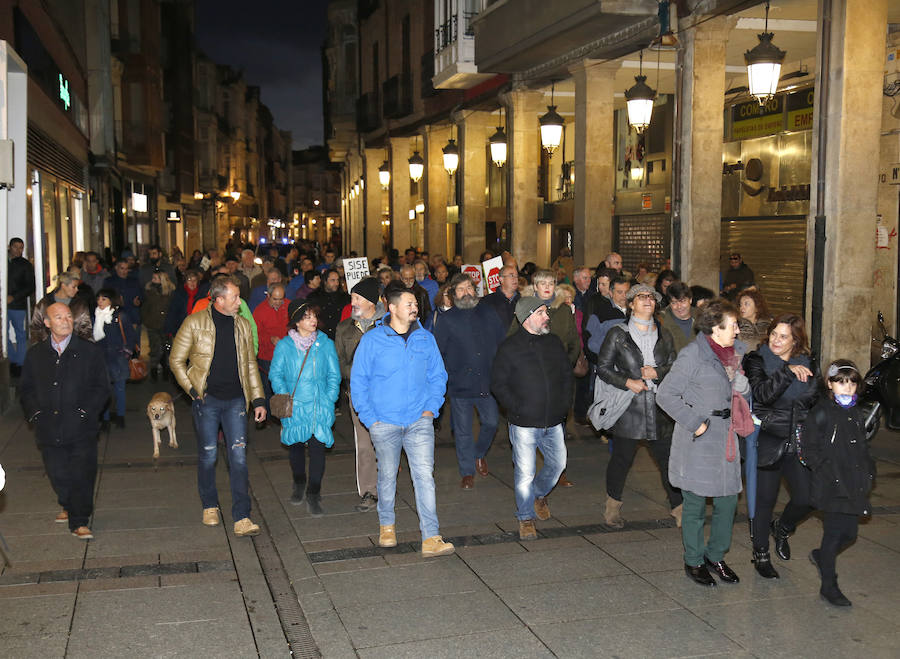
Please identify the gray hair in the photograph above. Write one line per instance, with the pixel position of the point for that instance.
(543, 275)
(67, 278)
(457, 279)
(583, 268)
(272, 287)
(219, 286)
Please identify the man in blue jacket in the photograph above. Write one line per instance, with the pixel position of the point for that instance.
(397, 385)
(468, 336)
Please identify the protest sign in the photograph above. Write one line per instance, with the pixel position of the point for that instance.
(474, 271)
(354, 270)
(492, 273)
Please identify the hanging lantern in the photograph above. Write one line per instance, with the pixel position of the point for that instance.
(451, 157)
(551, 126)
(764, 65)
(416, 167)
(356, 188)
(637, 170)
(498, 147)
(384, 175)
(639, 99)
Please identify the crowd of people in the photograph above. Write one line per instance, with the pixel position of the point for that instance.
(646, 358)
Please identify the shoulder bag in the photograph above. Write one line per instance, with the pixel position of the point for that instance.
(137, 367)
(282, 405)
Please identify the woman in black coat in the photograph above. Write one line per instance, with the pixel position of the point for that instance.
(833, 446)
(637, 355)
(783, 384)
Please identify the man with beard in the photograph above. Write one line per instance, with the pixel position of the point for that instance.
(423, 299)
(532, 379)
(332, 300)
(503, 300)
(468, 336)
(156, 262)
(366, 308)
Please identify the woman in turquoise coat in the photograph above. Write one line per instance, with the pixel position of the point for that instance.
(311, 355)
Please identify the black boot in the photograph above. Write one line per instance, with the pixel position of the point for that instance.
(314, 504)
(833, 595)
(763, 564)
(782, 548)
(297, 495)
(700, 575)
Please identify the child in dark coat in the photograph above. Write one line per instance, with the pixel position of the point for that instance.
(834, 447)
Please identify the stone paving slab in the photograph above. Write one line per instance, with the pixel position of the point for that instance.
(675, 633)
(165, 621)
(588, 598)
(507, 643)
(36, 617)
(441, 616)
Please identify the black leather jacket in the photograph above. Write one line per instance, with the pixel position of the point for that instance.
(619, 360)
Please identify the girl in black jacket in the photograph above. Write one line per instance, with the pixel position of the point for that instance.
(834, 447)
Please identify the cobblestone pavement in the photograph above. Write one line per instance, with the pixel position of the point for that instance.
(156, 582)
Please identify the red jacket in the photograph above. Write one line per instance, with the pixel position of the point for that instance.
(270, 323)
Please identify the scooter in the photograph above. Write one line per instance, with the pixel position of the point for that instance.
(881, 396)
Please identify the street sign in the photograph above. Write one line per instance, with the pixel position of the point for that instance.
(355, 270)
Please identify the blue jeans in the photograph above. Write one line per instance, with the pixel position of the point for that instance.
(18, 349)
(467, 450)
(552, 445)
(417, 439)
(232, 416)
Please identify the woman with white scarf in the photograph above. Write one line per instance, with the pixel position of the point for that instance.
(636, 355)
(116, 338)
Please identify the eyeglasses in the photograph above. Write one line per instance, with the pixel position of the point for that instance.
(645, 296)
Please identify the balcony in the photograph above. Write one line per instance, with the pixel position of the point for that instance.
(454, 52)
(397, 96)
(514, 37)
(367, 117)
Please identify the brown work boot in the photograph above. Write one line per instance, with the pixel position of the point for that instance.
(527, 530)
(211, 516)
(387, 536)
(245, 527)
(435, 546)
(613, 514)
(541, 509)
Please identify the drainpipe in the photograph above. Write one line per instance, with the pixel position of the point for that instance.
(822, 94)
(676, 160)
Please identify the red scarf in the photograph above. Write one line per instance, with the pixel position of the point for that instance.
(725, 355)
(191, 295)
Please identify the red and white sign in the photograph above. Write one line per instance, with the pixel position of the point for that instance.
(492, 273)
(474, 271)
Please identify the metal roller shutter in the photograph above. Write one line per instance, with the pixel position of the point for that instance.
(775, 249)
(643, 239)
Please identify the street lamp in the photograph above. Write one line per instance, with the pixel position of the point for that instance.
(198, 195)
(551, 126)
(384, 175)
(416, 164)
(764, 65)
(451, 157)
(499, 144)
(637, 170)
(639, 99)
(235, 195)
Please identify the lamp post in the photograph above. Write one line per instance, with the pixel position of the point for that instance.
(451, 157)
(499, 144)
(416, 164)
(764, 65)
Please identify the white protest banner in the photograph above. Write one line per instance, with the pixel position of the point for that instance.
(354, 270)
(492, 273)
(474, 271)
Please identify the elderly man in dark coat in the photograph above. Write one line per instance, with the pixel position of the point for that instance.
(468, 336)
(63, 391)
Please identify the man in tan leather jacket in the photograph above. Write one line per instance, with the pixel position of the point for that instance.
(222, 379)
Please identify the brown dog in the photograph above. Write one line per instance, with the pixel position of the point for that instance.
(161, 413)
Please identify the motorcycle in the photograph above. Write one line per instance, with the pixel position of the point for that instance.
(881, 396)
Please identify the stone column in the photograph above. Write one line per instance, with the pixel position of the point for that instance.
(474, 130)
(400, 202)
(595, 160)
(702, 122)
(375, 204)
(852, 116)
(523, 108)
(437, 189)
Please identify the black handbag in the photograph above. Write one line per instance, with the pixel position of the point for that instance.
(282, 405)
(774, 437)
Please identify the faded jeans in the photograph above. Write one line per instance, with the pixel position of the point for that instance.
(417, 439)
(525, 442)
(209, 414)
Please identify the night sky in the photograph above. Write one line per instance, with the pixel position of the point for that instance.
(277, 44)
